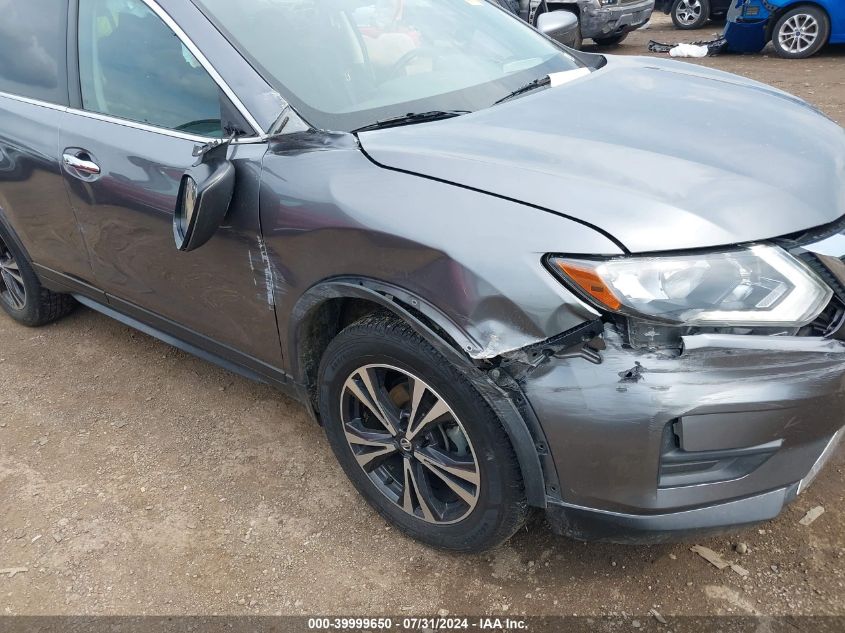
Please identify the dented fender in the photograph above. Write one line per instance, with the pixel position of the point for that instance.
(328, 212)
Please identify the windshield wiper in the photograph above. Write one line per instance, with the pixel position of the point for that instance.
(531, 85)
(410, 118)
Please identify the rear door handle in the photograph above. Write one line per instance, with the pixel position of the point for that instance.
(79, 164)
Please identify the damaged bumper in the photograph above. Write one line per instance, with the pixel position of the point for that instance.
(747, 29)
(613, 20)
(649, 445)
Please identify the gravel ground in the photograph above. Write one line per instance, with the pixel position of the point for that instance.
(135, 479)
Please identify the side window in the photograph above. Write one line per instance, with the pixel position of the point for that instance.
(33, 49)
(133, 66)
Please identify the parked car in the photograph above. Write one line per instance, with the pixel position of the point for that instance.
(561, 26)
(606, 23)
(489, 307)
(693, 14)
(796, 29)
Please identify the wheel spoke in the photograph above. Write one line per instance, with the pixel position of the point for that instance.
(360, 436)
(437, 411)
(370, 447)
(464, 469)
(10, 281)
(454, 482)
(418, 390)
(14, 275)
(369, 460)
(367, 395)
(14, 287)
(412, 490)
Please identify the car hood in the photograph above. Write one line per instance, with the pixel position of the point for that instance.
(661, 155)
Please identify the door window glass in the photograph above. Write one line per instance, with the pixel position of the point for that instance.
(32, 49)
(133, 66)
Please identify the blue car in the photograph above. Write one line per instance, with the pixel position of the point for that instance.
(796, 28)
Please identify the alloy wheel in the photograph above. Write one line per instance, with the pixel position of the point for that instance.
(799, 33)
(688, 12)
(410, 444)
(12, 289)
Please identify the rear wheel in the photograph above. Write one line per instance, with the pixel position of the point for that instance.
(801, 33)
(690, 14)
(417, 440)
(610, 41)
(21, 294)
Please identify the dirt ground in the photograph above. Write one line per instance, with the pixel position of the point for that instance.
(135, 479)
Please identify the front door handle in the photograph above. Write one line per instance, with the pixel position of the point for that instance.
(81, 165)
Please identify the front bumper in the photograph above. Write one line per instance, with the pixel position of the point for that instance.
(590, 524)
(648, 445)
(614, 20)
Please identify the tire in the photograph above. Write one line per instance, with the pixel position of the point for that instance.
(22, 296)
(688, 15)
(384, 355)
(578, 44)
(811, 22)
(610, 41)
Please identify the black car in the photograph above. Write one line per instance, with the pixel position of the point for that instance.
(693, 14)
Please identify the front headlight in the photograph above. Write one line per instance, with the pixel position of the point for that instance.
(760, 286)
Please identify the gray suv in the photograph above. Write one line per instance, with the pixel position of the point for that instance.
(491, 267)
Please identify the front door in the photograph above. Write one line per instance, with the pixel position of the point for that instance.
(146, 103)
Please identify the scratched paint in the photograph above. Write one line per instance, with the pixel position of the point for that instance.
(266, 273)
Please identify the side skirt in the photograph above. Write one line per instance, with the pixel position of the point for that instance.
(172, 333)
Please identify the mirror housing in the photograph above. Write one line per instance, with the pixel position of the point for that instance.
(205, 195)
(561, 26)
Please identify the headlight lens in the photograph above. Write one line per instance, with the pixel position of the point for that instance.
(760, 286)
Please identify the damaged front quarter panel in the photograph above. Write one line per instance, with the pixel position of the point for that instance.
(329, 212)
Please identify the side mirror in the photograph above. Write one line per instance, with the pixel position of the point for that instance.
(561, 26)
(204, 198)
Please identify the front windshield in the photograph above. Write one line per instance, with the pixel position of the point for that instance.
(345, 64)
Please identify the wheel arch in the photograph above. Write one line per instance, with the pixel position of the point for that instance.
(327, 308)
(6, 223)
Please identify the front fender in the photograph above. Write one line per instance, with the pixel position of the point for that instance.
(527, 438)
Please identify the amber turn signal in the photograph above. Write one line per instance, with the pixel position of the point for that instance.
(590, 283)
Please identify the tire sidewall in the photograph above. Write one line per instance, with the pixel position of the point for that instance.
(352, 350)
(820, 43)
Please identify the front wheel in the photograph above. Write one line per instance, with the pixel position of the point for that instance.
(801, 33)
(690, 14)
(417, 440)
